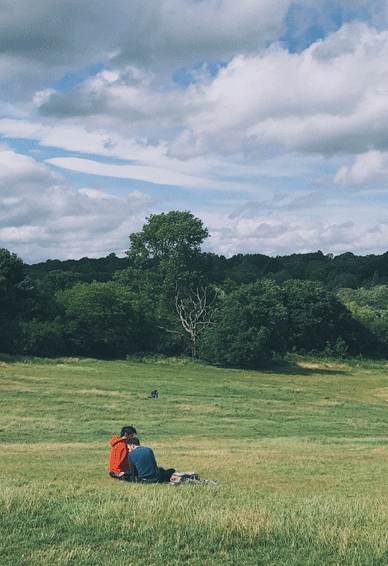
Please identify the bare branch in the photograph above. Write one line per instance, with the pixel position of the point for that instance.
(200, 315)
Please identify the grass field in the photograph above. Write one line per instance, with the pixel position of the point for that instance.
(300, 456)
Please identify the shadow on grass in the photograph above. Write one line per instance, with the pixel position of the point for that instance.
(292, 364)
(308, 367)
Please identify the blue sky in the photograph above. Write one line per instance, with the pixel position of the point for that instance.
(266, 119)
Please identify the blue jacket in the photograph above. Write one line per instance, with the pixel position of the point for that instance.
(142, 460)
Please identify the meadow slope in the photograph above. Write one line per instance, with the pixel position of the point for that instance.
(300, 456)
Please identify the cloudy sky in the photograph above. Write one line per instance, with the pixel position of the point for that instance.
(267, 119)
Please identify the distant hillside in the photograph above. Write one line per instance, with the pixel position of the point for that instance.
(88, 269)
(335, 272)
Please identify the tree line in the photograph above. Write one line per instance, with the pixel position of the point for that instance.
(169, 297)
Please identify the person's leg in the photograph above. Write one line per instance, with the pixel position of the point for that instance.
(114, 476)
(128, 476)
(125, 477)
(165, 475)
(134, 479)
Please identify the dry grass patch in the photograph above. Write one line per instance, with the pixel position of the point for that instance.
(382, 393)
(324, 366)
(98, 392)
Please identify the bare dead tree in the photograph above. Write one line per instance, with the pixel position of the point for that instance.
(195, 313)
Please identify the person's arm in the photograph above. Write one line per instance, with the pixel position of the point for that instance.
(132, 466)
(134, 471)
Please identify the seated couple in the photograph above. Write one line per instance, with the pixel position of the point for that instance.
(134, 463)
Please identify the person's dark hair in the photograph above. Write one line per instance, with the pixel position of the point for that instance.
(133, 440)
(127, 430)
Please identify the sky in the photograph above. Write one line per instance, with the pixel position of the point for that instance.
(267, 119)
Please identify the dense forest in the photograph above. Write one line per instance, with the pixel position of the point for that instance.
(169, 297)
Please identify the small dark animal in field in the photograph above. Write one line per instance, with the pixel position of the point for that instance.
(154, 394)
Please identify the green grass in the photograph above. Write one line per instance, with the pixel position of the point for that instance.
(300, 455)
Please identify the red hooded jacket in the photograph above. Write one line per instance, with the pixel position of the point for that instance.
(118, 459)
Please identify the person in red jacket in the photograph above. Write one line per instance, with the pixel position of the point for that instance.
(119, 467)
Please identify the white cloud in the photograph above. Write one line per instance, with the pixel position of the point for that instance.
(42, 216)
(329, 99)
(49, 38)
(139, 172)
(42, 41)
(138, 28)
(260, 147)
(283, 237)
(369, 168)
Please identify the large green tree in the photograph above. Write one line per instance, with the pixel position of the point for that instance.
(317, 318)
(44, 338)
(369, 307)
(165, 236)
(250, 327)
(12, 279)
(100, 319)
(16, 292)
(170, 244)
(167, 259)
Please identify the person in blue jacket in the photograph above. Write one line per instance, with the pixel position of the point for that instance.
(143, 464)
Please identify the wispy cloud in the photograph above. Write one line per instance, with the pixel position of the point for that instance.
(268, 120)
